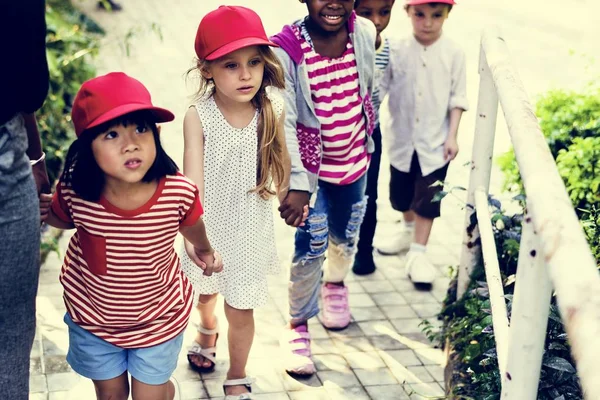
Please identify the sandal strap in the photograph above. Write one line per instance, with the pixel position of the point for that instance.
(247, 381)
(205, 331)
(196, 350)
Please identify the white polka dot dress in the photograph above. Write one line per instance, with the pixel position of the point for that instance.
(239, 224)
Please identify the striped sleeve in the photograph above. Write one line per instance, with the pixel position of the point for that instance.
(190, 208)
(59, 205)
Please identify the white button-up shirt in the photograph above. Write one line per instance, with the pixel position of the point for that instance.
(423, 85)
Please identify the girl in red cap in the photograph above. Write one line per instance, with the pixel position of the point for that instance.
(235, 151)
(329, 60)
(127, 300)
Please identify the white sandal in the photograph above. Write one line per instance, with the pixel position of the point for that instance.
(209, 353)
(239, 382)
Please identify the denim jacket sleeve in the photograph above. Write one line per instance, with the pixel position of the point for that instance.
(299, 176)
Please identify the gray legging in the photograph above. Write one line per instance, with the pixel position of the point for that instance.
(19, 261)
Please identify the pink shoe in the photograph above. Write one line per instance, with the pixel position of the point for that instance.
(336, 311)
(295, 344)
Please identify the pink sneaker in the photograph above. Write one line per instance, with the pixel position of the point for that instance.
(335, 313)
(295, 344)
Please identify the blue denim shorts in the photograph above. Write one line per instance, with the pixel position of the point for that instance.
(97, 359)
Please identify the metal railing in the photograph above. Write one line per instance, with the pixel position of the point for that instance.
(554, 253)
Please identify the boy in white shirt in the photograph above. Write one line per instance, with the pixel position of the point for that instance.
(426, 84)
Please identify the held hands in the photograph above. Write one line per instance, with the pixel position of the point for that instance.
(209, 261)
(294, 207)
(450, 149)
(45, 200)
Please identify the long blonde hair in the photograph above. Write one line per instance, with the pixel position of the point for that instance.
(272, 157)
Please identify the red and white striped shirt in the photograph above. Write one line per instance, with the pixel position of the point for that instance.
(121, 275)
(338, 105)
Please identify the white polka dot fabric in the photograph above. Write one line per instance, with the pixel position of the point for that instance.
(239, 224)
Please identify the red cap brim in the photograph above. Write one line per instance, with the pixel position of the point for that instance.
(238, 44)
(160, 114)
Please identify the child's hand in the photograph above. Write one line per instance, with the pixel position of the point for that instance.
(292, 208)
(45, 201)
(304, 215)
(213, 263)
(450, 149)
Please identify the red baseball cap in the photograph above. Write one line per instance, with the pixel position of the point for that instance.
(227, 29)
(110, 96)
(418, 2)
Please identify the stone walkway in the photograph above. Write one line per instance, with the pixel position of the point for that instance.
(383, 354)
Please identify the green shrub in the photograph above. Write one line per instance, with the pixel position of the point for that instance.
(579, 167)
(71, 41)
(564, 117)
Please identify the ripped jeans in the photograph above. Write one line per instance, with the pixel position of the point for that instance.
(332, 227)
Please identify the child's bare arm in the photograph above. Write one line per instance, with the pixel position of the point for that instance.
(52, 220)
(193, 149)
(287, 162)
(201, 252)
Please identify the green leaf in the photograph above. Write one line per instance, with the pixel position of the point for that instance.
(559, 364)
(439, 196)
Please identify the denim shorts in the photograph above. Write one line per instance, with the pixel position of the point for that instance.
(97, 359)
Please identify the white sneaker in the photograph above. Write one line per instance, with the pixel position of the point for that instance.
(397, 243)
(419, 269)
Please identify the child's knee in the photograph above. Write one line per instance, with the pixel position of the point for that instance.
(206, 299)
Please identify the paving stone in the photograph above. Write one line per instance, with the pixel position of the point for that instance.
(333, 362)
(386, 299)
(427, 310)
(62, 381)
(271, 396)
(300, 383)
(387, 392)
(341, 379)
(38, 384)
(360, 300)
(377, 286)
(361, 314)
(353, 344)
(430, 356)
(396, 358)
(435, 371)
(372, 377)
(351, 393)
(364, 359)
(353, 330)
(386, 342)
(324, 346)
(56, 364)
(193, 390)
(375, 328)
(412, 325)
(399, 312)
(320, 394)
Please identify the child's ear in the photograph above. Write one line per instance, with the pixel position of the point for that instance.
(206, 73)
(158, 128)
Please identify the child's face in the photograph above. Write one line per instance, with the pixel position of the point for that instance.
(329, 15)
(427, 21)
(378, 11)
(238, 75)
(125, 153)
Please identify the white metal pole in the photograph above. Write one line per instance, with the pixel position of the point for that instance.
(573, 270)
(529, 319)
(493, 277)
(481, 168)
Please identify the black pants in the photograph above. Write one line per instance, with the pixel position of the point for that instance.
(367, 229)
